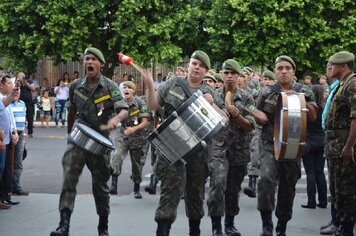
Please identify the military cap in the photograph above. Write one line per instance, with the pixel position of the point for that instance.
(96, 52)
(219, 77)
(130, 85)
(202, 56)
(269, 74)
(232, 65)
(342, 57)
(169, 75)
(287, 59)
(181, 69)
(248, 69)
(210, 76)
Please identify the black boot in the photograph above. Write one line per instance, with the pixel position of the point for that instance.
(151, 188)
(345, 229)
(216, 223)
(230, 229)
(103, 226)
(281, 228)
(113, 187)
(251, 190)
(194, 227)
(267, 223)
(163, 227)
(137, 193)
(63, 228)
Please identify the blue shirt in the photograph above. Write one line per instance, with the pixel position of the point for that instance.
(4, 122)
(19, 111)
(333, 88)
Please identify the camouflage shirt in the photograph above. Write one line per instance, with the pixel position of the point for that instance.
(95, 106)
(137, 110)
(343, 106)
(267, 102)
(255, 85)
(235, 135)
(171, 95)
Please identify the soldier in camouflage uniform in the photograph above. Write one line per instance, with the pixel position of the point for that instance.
(340, 146)
(93, 100)
(131, 138)
(230, 153)
(284, 173)
(179, 178)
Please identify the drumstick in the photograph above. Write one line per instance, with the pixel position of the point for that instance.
(228, 99)
(130, 62)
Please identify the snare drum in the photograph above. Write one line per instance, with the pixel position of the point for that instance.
(290, 126)
(187, 129)
(90, 140)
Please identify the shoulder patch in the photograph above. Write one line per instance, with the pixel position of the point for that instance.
(115, 93)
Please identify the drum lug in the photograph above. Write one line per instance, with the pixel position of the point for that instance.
(284, 109)
(175, 114)
(303, 144)
(305, 110)
(203, 143)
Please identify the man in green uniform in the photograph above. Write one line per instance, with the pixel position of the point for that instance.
(95, 101)
(255, 146)
(230, 153)
(340, 130)
(180, 178)
(131, 138)
(284, 173)
(219, 80)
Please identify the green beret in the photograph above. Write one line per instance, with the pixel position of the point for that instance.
(130, 85)
(287, 59)
(248, 69)
(96, 52)
(232, 65)
(202, 56)
(268, 74)
(210, 76)
(181, 69)
(342, 57)
(219, 77)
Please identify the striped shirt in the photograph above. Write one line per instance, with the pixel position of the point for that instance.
(19, 111)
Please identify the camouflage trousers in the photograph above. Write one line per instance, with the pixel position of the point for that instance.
(285, 174)
(218, 169)
(178, 179)
(138, 155)
(255, 147)
(235, 177)
(343, 189)
(73, 163)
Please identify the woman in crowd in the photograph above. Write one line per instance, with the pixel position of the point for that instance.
(62, 94)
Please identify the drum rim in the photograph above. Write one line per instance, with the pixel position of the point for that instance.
(280, 153)
(81, 127)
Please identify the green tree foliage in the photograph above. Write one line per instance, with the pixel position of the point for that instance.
(255, 32)
(252, 31)
(146, 30)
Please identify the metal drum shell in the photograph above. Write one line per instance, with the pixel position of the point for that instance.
(290, 126)
(186, 130)
(88, 140)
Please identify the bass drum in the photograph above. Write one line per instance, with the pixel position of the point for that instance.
(290, 126)
(186, 130)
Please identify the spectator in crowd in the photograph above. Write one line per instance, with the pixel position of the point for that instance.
(159, 81)
(27, 87)
(18, 108)
(314, 160)
(7, 89)
(5, 132)
(46, 108)
(75, 75)
(62, 95)
(181, 72)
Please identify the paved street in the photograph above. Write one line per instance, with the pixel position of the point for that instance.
(37, 214)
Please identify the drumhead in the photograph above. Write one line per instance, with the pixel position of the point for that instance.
(94, 135)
